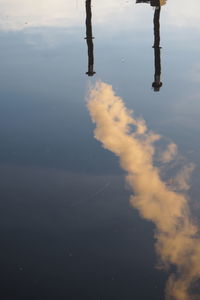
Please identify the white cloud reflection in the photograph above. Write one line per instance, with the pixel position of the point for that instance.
(177, 236)
(112, 14)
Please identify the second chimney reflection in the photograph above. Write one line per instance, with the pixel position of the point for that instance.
(89, 38)
(156, 85)
(157, 61)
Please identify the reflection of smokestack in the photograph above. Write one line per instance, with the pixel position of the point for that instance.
(89, 38)
(157, 83)
(157, 61)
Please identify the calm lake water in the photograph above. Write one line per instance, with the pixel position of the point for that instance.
(68, 230)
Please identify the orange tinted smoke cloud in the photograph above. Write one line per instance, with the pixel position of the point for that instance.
(177, 242)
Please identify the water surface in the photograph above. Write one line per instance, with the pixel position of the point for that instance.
(67, 228)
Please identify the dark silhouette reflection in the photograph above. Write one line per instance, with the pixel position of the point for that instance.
(89, 38)
(157, 60)
(142, 1)
(154, 3)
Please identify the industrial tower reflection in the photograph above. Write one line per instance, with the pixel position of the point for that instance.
(157, 59)
(89, 38)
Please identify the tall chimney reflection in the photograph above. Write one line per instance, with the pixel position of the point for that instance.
(157, 60)
(89, 38)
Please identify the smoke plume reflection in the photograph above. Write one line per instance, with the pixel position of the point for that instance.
(177, 240)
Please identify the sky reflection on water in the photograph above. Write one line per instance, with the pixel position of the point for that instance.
(68, 231)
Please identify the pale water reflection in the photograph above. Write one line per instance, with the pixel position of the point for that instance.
(163, 203)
